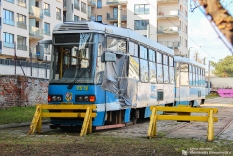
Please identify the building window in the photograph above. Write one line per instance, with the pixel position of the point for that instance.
(46, 28)
(76, 4)
(83, 7)
(76, 18)
(21, 21)
(58, 14)
(99, 3)
(82, 19)
(8, 17)
(99, 18)
(141, 9)
(21, 43)
(46, 9)
(22, 3)
(140, 24)
(8, 40)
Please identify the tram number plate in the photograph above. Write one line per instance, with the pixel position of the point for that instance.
(82, 88)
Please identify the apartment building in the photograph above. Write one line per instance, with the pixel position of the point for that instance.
(25, 22)
(166, 21)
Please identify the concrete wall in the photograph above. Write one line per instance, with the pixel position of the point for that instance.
(22, 91)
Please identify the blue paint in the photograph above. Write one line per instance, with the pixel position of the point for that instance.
(147, 112)
(127, 115)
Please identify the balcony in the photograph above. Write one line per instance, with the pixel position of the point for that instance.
(167, 1)
(91, 3)
(91, 16)
(11, 1)
(47, 12)
(8, 22)
(170, 44)
(47, 32)
(21, 25)
(35, 12)
(22, 47)
(8, 45)
(114, 17)
(77, 7)
(35, 32)
(167, 13)
(116, 2)
(21, 3)
(168, 30)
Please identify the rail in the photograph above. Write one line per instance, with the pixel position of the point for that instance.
(183, 114)
(87, 116)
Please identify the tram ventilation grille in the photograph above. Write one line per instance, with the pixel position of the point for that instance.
(159, 95)
(73, 26)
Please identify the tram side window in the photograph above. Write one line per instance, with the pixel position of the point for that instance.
(159, 68)
(144, 75)
(194, 75)
(197, 79)
(184, 74)
(165, 69)
(177, 74)
(190, 75)
(99, 65)
(134, 68)
(116, 44)
(152, 66)
(133, 49)
(203, 77)
(171, 69)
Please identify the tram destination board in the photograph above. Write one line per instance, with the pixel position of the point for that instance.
(67, 38)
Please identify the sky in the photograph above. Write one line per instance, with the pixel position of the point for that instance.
(206, 41)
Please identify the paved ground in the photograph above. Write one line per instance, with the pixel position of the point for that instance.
(171, 129)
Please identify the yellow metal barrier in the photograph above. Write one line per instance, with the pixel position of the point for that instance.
(183, 114)
(88, 115)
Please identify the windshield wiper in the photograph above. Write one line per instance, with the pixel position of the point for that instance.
(80, 75)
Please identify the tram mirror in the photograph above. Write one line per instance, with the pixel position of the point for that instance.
(108, 57)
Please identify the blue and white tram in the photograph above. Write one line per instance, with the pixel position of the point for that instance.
(120, 71)
(189, 82)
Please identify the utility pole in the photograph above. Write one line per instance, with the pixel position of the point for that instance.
(148, 30)
(119, 16)
(189, 52)
(204, 60)
(196, 55)
(209, 79)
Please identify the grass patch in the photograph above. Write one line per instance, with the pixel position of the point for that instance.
(71, 144)
(17, 114)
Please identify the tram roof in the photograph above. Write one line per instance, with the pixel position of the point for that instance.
(90, 26)
(188, 60)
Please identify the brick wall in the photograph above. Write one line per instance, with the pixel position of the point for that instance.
(22, 91)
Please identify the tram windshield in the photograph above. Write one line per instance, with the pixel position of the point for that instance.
(73, 58)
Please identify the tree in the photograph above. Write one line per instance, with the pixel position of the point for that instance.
(222, 19)
(224, 68)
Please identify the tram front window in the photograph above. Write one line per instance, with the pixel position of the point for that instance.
(73, 61)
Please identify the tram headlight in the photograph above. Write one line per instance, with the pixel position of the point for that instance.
(54, 98)
(80, 98)
(58, 98)
(86, 98)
